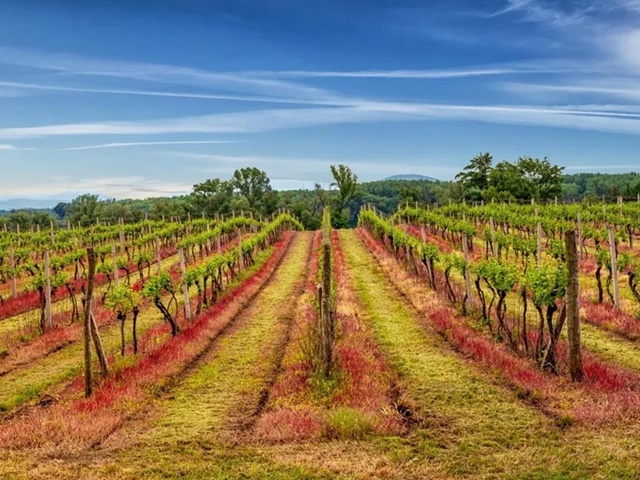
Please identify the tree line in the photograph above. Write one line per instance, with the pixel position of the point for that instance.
(249, 189)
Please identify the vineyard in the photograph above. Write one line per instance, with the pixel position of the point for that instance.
(488, 341)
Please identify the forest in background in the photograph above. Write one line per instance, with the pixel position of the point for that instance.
(249, 190)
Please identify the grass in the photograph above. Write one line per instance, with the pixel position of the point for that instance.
(468, 424)
(231, 377)
(471, 424)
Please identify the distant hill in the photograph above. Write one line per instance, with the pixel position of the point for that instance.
(412, 176)
(28, 203)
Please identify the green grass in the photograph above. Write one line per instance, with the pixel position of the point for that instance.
(471, 426)
(348, 424)
(237, 369)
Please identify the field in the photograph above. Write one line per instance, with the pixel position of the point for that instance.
(428, 344)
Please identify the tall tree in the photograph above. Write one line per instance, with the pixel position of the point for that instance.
(253, 184)
(474, 178)
(544, 179)
(507, 182)
(347, 183)
(212, 196)
(84, 209)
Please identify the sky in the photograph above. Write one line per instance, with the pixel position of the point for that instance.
(146, 98)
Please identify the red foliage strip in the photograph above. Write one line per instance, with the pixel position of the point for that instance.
(357, 355)
(604, 315)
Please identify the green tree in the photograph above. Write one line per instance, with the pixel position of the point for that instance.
(253, 184)
(544, 179)
(507, 182)
(347, 183)
(84, 209)
(212, 196)
(474, 178)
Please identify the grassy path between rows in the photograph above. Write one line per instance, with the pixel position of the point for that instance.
(226, 384)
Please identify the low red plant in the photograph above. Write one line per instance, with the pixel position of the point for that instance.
(604, 315)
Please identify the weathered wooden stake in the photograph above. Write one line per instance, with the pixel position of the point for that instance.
(97, 343)
(467, 273)
(122, 242)
(239, 252)
(48, 313)
(539, 244)
(579, 235)
(91, 254)
(573, 308)
(614, 269)
(116, 272)
(158, 257)
(494, 244)
(12, 263)
(185, 288)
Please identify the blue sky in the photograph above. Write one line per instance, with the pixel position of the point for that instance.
(141, 98)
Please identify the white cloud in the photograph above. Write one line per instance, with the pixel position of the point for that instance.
(157, 93)
(242, 122)
(4, 146)
(362, 111)
(139, 144)
(496, 70)
(76, 65)
(546, 12)
(117, 187)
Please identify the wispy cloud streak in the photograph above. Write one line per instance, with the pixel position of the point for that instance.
(141, 144)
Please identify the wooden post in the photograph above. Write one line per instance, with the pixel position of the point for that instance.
(116, 272)
(97, 343)
(48, 313)
(239, 252)
(158, 257)
(91, 254)
(185, 288)
(614, 269)
(539, 244)
(494, 244)
(467, 273)
(573, 308)
(579, 235)
(53, 235)
(122, 242)
(12, 263)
